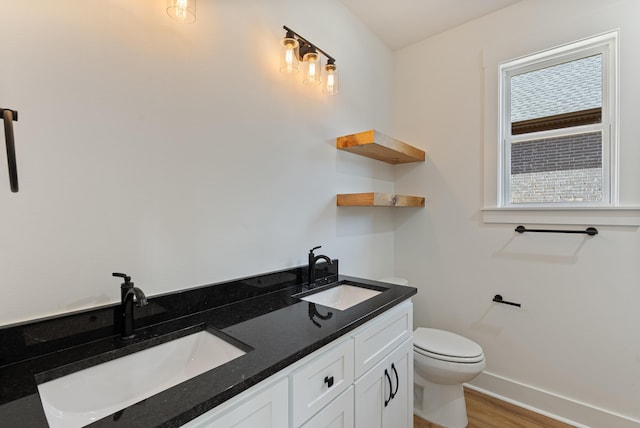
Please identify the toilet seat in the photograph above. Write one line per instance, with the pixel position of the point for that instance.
(449, 358)
(446, 346)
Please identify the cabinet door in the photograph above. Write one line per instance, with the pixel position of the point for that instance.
(266, 409)
(338, 414)
(399, 410)
(384, 395)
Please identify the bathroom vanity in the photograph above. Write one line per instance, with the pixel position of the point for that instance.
(368, 373)
(302, 363)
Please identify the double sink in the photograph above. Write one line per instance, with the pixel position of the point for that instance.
(82, 397)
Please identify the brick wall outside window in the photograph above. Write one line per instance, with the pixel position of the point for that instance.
(562, 169)
(561, 153)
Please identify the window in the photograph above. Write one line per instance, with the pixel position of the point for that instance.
(557, 127)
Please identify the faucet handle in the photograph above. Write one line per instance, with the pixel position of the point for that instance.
(314, 248)
(127, 278)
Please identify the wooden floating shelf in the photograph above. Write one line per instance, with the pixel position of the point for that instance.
(374, 144)
(373, 199)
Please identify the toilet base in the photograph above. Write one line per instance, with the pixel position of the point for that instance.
(440, 404)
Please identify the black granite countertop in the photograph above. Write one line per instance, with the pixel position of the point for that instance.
(275, 328)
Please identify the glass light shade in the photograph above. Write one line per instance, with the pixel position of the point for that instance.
(289, 57)
(183, 11)
(331, 79)
(311, 69)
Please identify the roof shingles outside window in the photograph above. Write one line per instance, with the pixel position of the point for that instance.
(565, 88)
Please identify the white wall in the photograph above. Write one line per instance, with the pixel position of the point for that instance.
(576, 341)
(179, 153)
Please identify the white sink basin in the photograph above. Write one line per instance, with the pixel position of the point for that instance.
(341, 297)
(85, 396)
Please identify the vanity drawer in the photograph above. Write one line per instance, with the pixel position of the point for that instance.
(384, 335)
(321, 380)
(338, 414)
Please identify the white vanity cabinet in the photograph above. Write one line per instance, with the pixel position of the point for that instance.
(363, 379)
(383, 380)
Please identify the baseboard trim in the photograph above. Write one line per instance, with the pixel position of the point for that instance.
(552, 405)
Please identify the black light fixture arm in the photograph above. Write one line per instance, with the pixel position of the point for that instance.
(9, 116)
(305, 44)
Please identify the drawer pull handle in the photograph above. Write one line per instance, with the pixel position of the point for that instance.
(329, 381)
(393, 394)
(387, 401)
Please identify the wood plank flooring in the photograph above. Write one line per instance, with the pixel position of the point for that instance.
(484, 411)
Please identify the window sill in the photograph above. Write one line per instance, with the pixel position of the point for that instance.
(609, 216)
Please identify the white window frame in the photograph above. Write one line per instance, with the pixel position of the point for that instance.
(606, 45)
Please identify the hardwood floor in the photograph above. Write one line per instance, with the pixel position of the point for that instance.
(484, 411)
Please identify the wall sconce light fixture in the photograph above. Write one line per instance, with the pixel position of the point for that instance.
(295, 50)
(331, 86)
(289, 58)
(183, 11)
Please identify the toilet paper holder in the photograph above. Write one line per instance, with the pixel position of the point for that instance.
(498, 299)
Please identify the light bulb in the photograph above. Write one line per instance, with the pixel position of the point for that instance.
(183, 11)
(331, 86)
(311, 68)
(289, 63)
(288, 58)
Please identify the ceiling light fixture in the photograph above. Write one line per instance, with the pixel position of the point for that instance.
(296, 49)
(183, 11)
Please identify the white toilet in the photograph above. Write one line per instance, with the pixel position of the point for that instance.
(443, 361)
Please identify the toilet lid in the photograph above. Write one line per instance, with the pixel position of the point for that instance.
(446, 344)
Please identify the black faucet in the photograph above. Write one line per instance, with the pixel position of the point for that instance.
(127, 295)
(312, 265)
